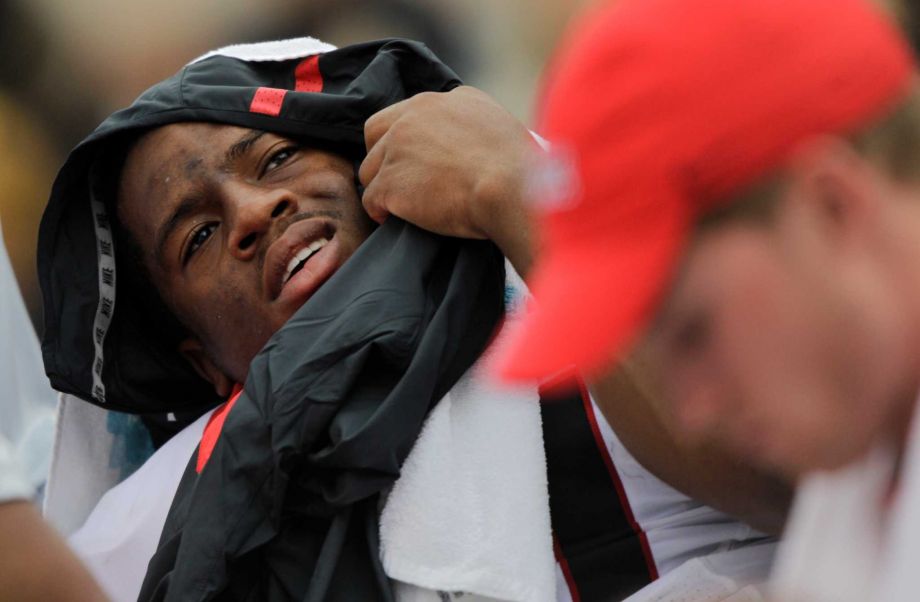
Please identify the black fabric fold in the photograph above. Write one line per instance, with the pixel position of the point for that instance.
(287, 506)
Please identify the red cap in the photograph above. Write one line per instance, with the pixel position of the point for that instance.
(663, 109)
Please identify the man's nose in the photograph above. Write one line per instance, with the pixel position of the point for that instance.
(253, 211)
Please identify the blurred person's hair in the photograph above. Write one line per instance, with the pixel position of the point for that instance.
(906, 12)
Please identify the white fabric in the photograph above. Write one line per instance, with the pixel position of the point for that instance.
(843, 542)
(90, 457)
(470, 511)
(678, 528)
(121, 535)
(27, 402)
(280, 50)
(13, 484)
(729, 576)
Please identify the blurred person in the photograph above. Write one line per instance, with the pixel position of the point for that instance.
(27, 413)
(736, 185)
(203, 213)
(35, 564)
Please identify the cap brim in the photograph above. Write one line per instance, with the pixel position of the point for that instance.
(591, 299)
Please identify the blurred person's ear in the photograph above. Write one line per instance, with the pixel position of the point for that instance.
(832, 193)
(196, 355)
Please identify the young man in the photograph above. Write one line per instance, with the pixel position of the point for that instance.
(232, 191)
(747, 205)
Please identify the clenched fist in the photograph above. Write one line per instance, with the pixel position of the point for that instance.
(452, 163)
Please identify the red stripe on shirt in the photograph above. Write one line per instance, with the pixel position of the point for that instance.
(213, 429)
(617, 482)
(566, 571)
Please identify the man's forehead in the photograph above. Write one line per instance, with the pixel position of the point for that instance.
(188, 143)
(170, 153)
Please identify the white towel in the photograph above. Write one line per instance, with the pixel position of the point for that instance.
(279, 50)
(470, 511)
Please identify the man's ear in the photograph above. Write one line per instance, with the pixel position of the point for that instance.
(193, 351)
(835, 187)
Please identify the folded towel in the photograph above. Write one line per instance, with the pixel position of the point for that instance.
(470, 511)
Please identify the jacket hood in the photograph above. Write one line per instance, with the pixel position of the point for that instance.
(105, 352)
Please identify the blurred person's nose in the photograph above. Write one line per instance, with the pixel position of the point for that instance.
(254, 210)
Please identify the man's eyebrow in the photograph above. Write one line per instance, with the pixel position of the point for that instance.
(239, 148)
(187, 207)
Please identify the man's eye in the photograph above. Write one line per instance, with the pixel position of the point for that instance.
(279, 158)
(693, 334)
(199, 237)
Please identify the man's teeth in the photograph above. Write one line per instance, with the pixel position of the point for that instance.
(302, 255)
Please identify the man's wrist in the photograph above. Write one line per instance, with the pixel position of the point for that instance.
(499, 197)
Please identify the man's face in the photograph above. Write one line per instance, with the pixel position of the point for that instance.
(238, 228)
(789, 342)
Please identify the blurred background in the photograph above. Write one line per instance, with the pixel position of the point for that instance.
(66, 65)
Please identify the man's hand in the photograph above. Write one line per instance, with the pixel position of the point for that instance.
(452, 163)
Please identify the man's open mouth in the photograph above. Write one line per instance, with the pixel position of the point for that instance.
(300, 258)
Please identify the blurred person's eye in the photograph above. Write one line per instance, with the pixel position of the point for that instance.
(198, 237)
(693, 333)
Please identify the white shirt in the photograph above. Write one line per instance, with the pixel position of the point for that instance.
(13, 484)
(847, 539)
(27, 403)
